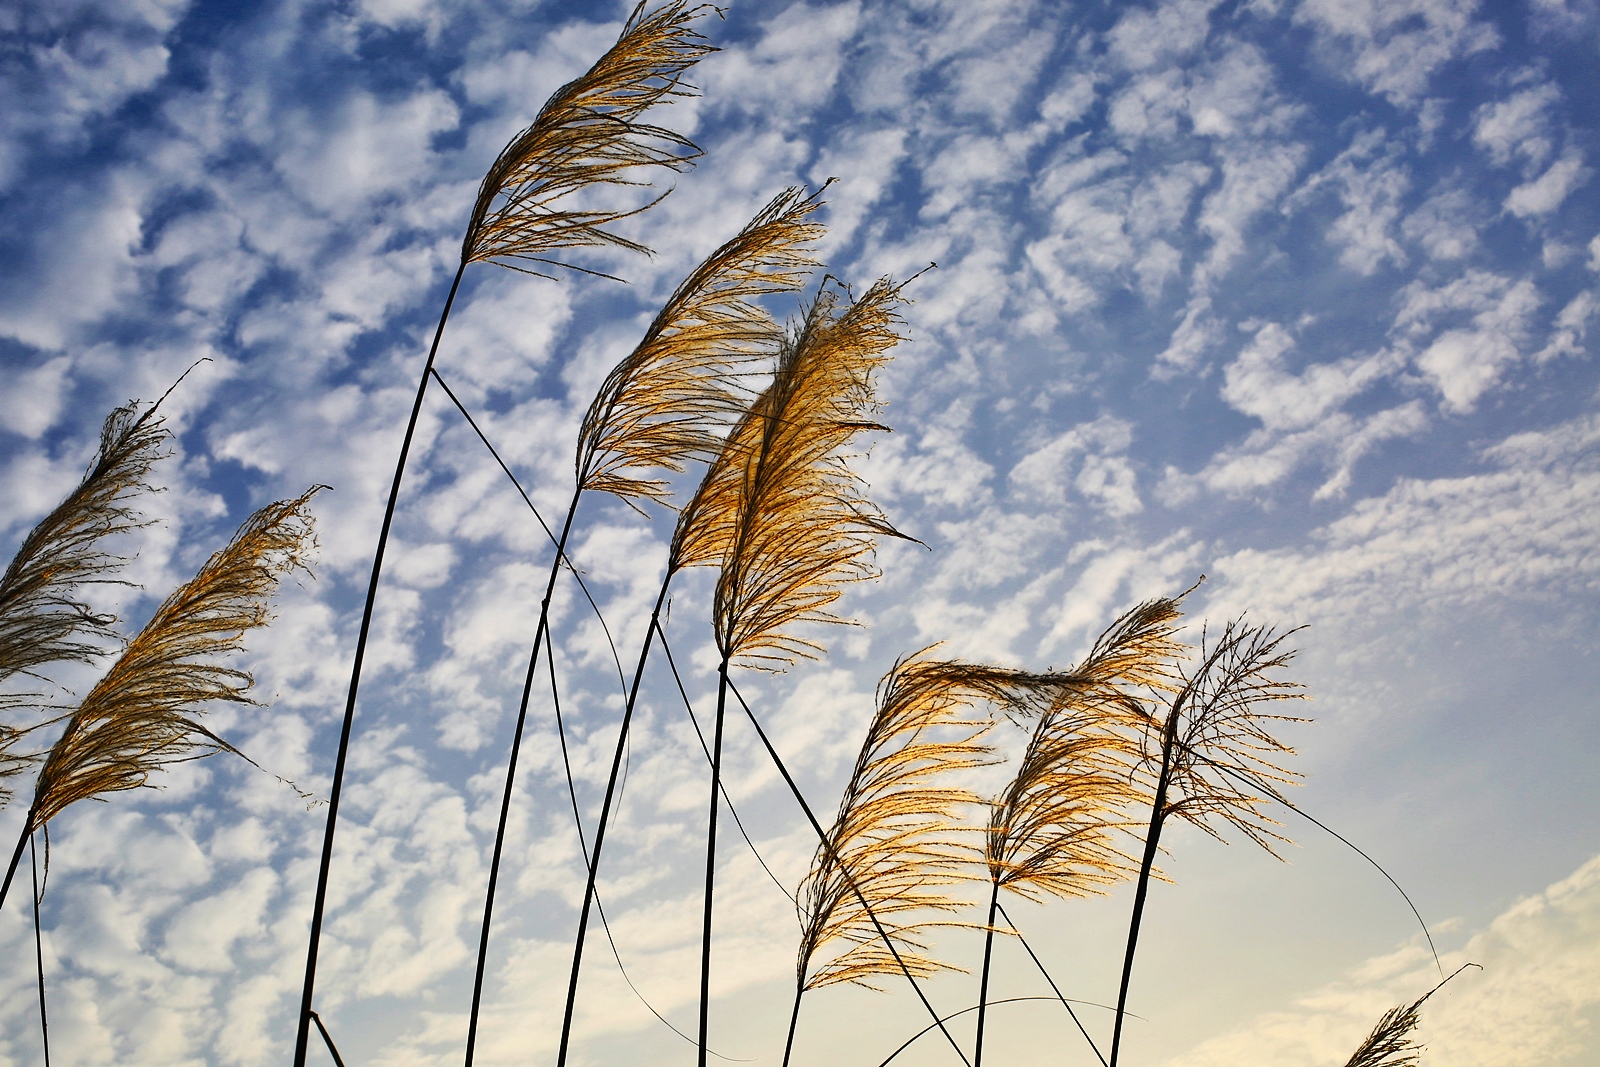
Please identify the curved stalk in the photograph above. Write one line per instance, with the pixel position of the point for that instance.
(38, 953)
(711, 858)
(822, 835)
(1146, 864)
(511, 777)
(319, 902)
(794, 1020)
(16, 857)
(983, 983)
(600, 828)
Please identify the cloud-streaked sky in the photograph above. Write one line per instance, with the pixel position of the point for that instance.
(1303, 296)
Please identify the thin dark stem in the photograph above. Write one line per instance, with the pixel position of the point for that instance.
(1053, 987)
(1146, 864)
(38, 954)
(733, 811)
(1319, 824)
(327, 1039)
(562, 556)
(319, 902)
(600, 827)
(794, 1020)
(983, 983)
(511, 778)
(16, 857)
(822, 836)
(965, 1011)
(711, 858)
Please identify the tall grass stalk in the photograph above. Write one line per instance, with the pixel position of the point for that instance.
(1211, 722)
(587, 134)
(659, 408)
(893, 850)
(38, 953)
(790, 516)
(822, 836)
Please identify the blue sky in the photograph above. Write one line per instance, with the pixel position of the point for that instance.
(1301, 296)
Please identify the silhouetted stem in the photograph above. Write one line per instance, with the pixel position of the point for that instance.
(600, 829)
(511, 778)
(16, 857)
(983, 983)
(938, 1022)
(319, 902)
(711, 859)
(1053, 987)
(327, 1039)
(794, 1020)
(1146, 864)
(38, 954)
(822, 836)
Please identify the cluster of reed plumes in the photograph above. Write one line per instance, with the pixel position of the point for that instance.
(145, 712)
(1093, 762)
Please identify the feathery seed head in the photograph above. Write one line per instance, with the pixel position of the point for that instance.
(671, 399)
(588, 133)
(143, 713)
(780, 511)
(894, 839)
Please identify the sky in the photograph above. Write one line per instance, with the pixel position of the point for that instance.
(1299, 296)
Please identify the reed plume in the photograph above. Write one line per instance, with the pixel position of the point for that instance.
(588, 133)
(784, 517)
(663, 406)
(144, 713)
(884, 867)
(1213, 756)
(1052, 829)
(1391, 1043)
(672, 399)
(41, 620)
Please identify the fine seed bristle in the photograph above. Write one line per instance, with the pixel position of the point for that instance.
(142, 714)
(680, 389)
(588, 133)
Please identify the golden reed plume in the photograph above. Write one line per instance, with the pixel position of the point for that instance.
(143, 713)
(1210, 756)
(670, 400)
(1051, 830)
(779, 510)
(41, 619)
(893, 841)
(588, 133)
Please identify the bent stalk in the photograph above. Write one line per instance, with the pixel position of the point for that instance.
(319, 901)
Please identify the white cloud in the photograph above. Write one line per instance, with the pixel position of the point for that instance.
(1467, 360)
(1446, 225)
(1258, 383)
(1088, 458)
(1144, 37)
(1529, 1005)
(1518, 125)
(1393, 47)
(1547, 192)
